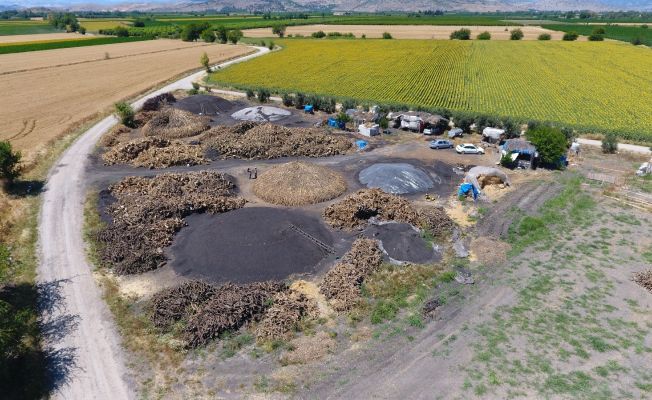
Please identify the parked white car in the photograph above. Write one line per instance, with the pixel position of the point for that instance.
(468, 148)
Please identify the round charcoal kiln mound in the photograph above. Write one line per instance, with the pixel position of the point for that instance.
(396, 178)
(250, 245)
(261, 114)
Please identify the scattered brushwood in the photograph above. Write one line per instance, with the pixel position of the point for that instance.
(110, 138)
(341, 285)
(357, 208)
(171, 305)
(228, 309)
(171, 123)
(644, 278)
(148, 211)
(155, 152)
(282, 318)
(155, 103)
(299, 183)
(430, 306)
(435, 220)
(251, 140)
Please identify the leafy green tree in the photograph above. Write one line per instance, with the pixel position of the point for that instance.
(192, 32)
(279, 30)
(461, 34)
(516, 34)
(545, 36)
(288, 100)
(250, 94)
(342, 117)
(570, 36)
(610, 143)
(300, 100)
(9, 162)
(208, 36)
(222, 34)
(125, 113)
(121, 31)
(205, 62)
(318, 34)
(484, 36)
(263, 95)
(82, 30)
(599, 31)
(595, 38)
(235, 35)
(387, 35)
(550, 143)
(139, 23)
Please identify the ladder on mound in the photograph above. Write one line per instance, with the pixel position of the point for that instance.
(328, 249)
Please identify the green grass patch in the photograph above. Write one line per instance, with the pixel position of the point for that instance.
(64, 44)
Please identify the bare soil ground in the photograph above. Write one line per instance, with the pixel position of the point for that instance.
(42, 37)
(40, 105)
(410, 31)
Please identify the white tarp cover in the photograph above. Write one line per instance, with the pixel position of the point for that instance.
(261, 114)
(475, 172)
(369, 130)
(396, 178)
(493, 133)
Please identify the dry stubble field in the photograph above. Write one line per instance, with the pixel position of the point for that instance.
(42, 37)
(410, 31)
(47, 93)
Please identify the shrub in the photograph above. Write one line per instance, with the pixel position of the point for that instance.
(125, 113)
(279, 30)
(318, 35)
(363, 36)
(263, 95)
(343, 117)
(610, 143)
(271, 45)
(263, 44)
(462, 34)
(222, 34)
(288, 100)
(192, 32)
(82, 30)
(208, 36)
(300, 100)
(599, 31)
(545, 36)
(506, 161)
(550, 143)
(329, 105)
(516, 34)
(250, 94)
(644, 26)
(484, 36)
(120, 31)
(570, 36)
(595, 38)
(387, 35)
(235, 35)
(637, 41)
(205, 62)
(348, 104)
(9, 160)
(139, 23)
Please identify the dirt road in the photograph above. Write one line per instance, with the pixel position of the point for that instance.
(632, 148)
(87, 360)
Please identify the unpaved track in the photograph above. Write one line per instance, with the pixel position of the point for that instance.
(98, 370)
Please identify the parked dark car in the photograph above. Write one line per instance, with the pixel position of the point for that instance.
(441, 144)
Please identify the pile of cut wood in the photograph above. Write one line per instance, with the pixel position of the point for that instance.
(155, 152)
(171, 123)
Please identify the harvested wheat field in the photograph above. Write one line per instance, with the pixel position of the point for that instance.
(40, 37)
(410, 31)
(299, 183)
(38, 108)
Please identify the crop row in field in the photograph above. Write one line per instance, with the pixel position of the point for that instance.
(616, 32)
(603, 86)
(9, 48)
(25, 27)
(94, 25)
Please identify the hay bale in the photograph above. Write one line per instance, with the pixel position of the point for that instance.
(171, 123)
(341, 285)
(282, 319)
(299, 183)
(250, 140)
(357, 208)
(228, 309)
(644, 278)
(149, 210)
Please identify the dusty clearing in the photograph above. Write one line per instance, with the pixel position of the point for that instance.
(41, 37)
(410, 31)
(89, 84)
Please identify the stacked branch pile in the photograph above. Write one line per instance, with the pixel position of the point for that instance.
(148, 211)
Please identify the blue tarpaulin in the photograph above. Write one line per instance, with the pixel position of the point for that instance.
(467, 188)
(361, 144)
(335, 123)
(308, 109)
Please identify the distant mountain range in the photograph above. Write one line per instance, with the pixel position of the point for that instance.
(339, 5)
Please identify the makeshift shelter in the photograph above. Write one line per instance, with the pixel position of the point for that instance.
(492, 135)
(360, 117)
(485, 174)
(418, 121)
(522, 152)
(369, 129)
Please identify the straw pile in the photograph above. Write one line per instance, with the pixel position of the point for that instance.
(644, 278)
(148, 211)
(251, 140)
(299, 183)
(341, 285)
(355, 209)
(282, 318)
(155, 152)
(171, 123)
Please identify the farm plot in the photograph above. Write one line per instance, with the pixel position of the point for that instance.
(409, 31)
(41, 104)
(594, 86)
